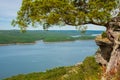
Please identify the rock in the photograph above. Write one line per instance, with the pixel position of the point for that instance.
(108, 54)
(104, 52)
(99, 58)
(78, 64)
(113, 65)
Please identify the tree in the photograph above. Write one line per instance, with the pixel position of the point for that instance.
(75, 13)
(70, 12)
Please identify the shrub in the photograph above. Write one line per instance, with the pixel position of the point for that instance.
(104, 35)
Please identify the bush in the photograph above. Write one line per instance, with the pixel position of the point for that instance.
(104, 35)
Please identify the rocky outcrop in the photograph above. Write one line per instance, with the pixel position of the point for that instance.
(108, 54)
(104, 52)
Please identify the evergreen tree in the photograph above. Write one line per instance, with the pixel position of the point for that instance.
(61, 12)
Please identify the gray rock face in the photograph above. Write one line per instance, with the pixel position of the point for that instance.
(108, 54)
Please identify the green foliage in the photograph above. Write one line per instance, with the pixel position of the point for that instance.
(89, 70)
(53, 74)
(56, 12)
(9, 36)
(14, 36)
(104, 35)
(84, 37)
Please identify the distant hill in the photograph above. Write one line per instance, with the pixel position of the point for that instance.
(30, 36)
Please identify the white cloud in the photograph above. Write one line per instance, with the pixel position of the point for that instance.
(95, 27)
(8, 11)
(89, 27)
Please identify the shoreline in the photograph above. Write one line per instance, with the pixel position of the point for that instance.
(17, 44)
(41, 41)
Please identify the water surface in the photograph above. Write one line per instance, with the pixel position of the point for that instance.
(18, 59)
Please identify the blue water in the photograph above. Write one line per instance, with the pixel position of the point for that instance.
(18, 59)
(75, 32)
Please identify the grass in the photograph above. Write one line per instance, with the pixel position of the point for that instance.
(88, 70)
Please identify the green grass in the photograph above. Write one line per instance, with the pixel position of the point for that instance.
(15, 36)
(89, 70)
(86, 37)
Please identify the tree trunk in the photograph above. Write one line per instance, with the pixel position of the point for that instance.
(112, 50)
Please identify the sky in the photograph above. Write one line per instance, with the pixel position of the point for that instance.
(8, 12)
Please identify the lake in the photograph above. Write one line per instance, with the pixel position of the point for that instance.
(27, 58)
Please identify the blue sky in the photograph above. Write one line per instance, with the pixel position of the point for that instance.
(8, 12)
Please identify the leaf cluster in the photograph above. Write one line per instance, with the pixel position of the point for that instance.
(57, 12)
